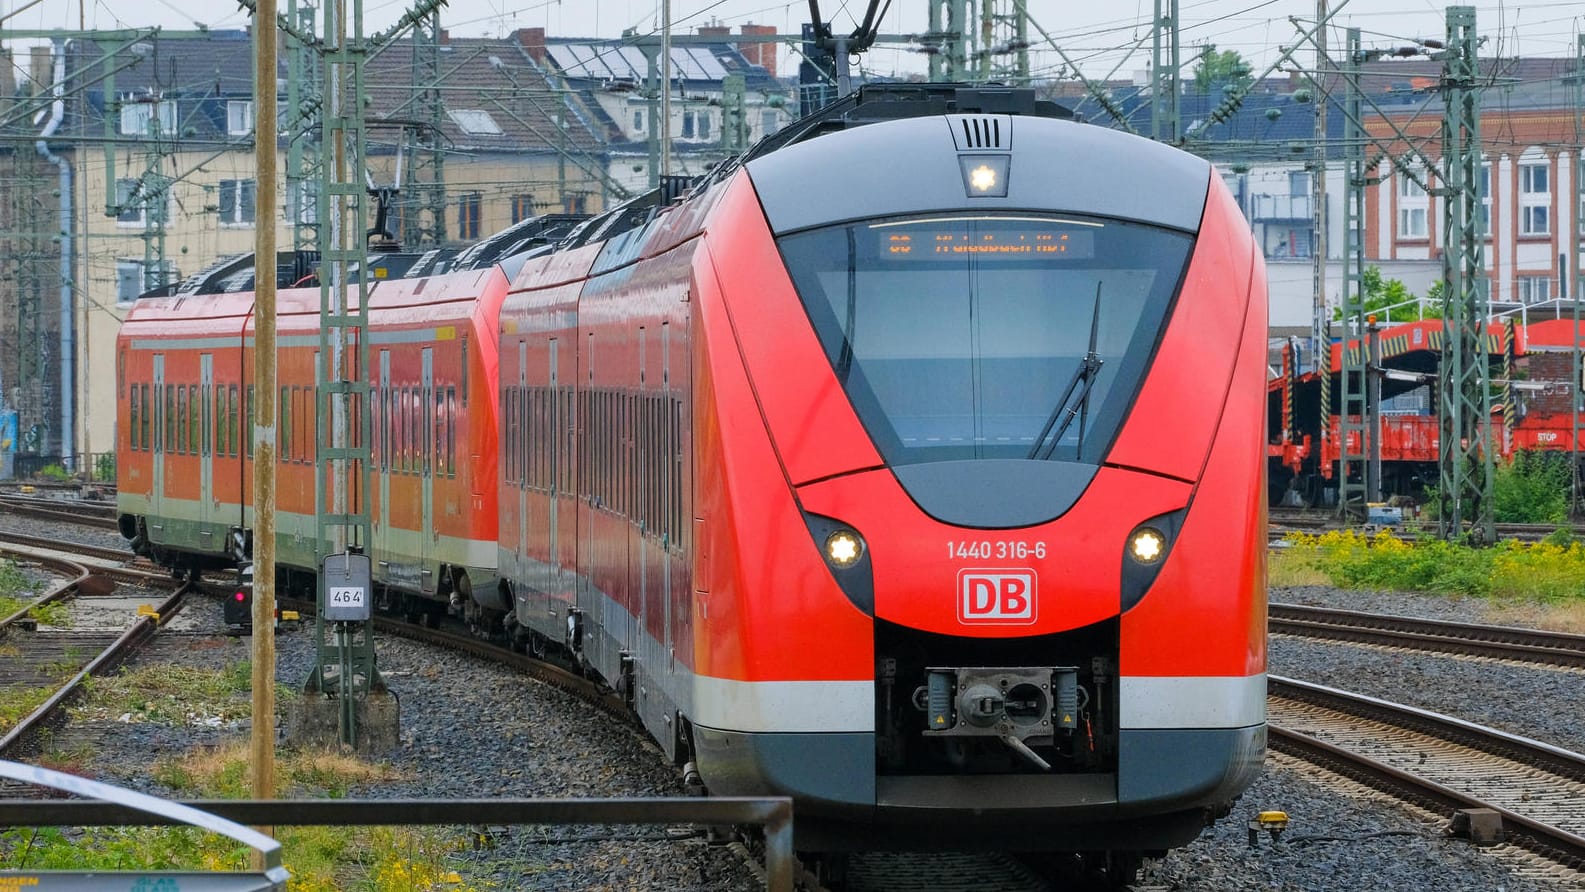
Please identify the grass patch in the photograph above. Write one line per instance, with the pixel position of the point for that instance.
(175, 695)
(13, 581)
(320, 859)
(1295, 565)
(17, 704)
(1550, 571)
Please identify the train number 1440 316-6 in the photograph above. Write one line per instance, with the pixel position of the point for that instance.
(998, 549)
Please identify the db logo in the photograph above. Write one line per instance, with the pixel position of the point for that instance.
(996, 597)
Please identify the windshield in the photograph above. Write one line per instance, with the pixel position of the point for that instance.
(988, 337)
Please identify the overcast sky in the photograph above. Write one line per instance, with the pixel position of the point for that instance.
(1094, 34)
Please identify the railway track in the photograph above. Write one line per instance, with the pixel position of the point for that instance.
(1498, 642)
(100, 515)
(1438, 763)
(54, 662)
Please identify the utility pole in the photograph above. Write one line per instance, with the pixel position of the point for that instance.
(345, 668)
(303, 99)
(1165, 75)
(1355, 427)
(1321, 322)
(1574, 290)
(665, 94)
(1466, 462)
(426, 227)
(262, 742)
(949, 28)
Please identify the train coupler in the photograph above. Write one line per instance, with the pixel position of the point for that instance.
(1019, 706)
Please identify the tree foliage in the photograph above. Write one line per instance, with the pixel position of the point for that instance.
(1226, 68)
(1381, 293)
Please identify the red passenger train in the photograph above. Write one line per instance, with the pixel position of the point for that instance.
(909, 466)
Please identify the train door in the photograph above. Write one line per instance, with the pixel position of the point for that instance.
(157, 494)
(426, 484)
(382, 464)
(206, 455)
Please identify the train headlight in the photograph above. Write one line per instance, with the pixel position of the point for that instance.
(1147, 545)
(844, 548)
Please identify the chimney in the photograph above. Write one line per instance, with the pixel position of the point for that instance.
(714, 30)
(8, 80)
(445, 36)
(40, 70)
(533, 40)
(761, 54)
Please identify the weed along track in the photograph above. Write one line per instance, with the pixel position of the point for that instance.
(61, 633)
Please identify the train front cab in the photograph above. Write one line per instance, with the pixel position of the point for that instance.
(923, 593)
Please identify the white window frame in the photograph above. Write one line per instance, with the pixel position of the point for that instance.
(474, 121)
(235, 210)
(137, 118)
(1414, 208)
(1534, 289)
(1535, 197)
(138, 216)
(239, 117)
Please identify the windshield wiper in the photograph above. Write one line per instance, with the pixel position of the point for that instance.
(1083, 379)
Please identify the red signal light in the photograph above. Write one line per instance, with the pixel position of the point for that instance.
(241, 596)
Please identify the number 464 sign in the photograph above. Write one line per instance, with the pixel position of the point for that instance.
(346, 582)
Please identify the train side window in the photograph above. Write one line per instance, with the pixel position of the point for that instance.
(676, 471)
(283, 437)
(439, 438)
(232, 433)
(169, 440)
(207, 427)
(181, 420)
(247, 439)
(143, 428)
(195, 431)
(132, 418)
(464, 373)
(451, 431)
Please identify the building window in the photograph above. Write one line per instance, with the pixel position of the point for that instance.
(638, 121)
(135, 206)
(1535, 199)
(1534, 289)
(306, 198)
(687, 125)
(575, 203)
(239, 117)
(704, 125)
(767, 122)
(474, 121)
(138, 118)
(134, 279)
(1413, 206)
(1485, 200)
(468, 215)
(522, 207)
(237, 202)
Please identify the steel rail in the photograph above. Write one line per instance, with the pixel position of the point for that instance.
(1536, 836)
(1498, 642)
(40, 512)
(111, 657)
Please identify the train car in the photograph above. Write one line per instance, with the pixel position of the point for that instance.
(185, 409)
(910, 466)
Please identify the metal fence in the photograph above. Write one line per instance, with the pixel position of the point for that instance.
(113, 806)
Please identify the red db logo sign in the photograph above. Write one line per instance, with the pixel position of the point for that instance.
(996, 597)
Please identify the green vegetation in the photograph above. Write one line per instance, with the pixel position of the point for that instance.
(54, 473)
(1226, 68)
(1531, 488)
(1382, 293)
(175, 695)
(320, 859)
(105, 468)
(1547, 571)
